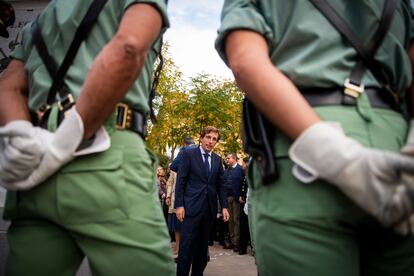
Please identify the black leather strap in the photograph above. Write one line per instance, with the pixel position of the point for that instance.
(58, 74)
(256, 132)
(130, 119)
(41, 48)
(335, 96)
(366, 53)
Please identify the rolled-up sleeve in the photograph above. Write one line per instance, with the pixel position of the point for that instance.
(160, 5)
(240, 14)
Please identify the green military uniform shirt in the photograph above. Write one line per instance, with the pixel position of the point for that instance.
(103, 206)
(315, 229)
(62, 21)
(303, 44)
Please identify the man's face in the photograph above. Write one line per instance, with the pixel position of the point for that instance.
(209, 141)
(230, 160)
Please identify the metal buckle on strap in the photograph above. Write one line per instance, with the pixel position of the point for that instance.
(66, 103)
(126, 116)
(42, 111)
(353, 90)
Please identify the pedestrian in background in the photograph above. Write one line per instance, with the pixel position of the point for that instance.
(188, 143)
(233, 179)
(244, 224)
(199, 182)
(174, 225)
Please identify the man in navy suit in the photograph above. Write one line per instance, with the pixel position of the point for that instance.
(199, 181)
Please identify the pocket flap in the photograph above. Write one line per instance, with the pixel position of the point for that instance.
(103, 161)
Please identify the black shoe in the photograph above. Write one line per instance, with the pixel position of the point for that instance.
(210, 243)
(242, 251)
(229, 246)
(236, 249)
(176, 259)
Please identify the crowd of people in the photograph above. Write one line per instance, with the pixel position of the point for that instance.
(327, 118)
(233, 234)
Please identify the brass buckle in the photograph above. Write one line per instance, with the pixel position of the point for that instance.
(42, 111)
(66, 102)
(126, 116)
(352, 89)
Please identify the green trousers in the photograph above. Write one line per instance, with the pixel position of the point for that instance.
(314, 229)
(102, 206)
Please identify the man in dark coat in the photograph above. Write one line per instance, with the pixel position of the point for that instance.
(234, 179)
(199, 181)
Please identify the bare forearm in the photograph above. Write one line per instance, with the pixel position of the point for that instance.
(118, 65)
(13, 93)
(107, 82)
(270, 90)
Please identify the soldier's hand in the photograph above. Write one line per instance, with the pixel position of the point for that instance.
(371, 178)
(408, 148)
(21, 149)
(407, 226)
(59, 151)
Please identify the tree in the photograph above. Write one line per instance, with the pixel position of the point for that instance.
(171, 105)
(183, 109)
(217, 102)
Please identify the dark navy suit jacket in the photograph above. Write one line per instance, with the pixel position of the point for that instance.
(177, 160)
(193, 189)
(234, 181)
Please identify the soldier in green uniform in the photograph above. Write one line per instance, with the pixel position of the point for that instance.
(100, 202)
(293, 65)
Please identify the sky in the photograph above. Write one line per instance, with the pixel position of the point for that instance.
(193, 29)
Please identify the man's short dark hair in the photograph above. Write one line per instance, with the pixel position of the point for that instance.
(233, 155)
(188, 141)
(209, 129)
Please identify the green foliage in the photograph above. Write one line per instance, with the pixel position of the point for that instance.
(183, 109)
(163, 160)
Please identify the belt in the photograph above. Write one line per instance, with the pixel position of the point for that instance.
(127, 118)
(378, 98)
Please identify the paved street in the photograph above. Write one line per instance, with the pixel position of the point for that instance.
(225, 262)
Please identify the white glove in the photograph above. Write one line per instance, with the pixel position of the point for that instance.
(407, 226)
(409, 144)
(371, 178)
(21, 148)
(59, 151)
